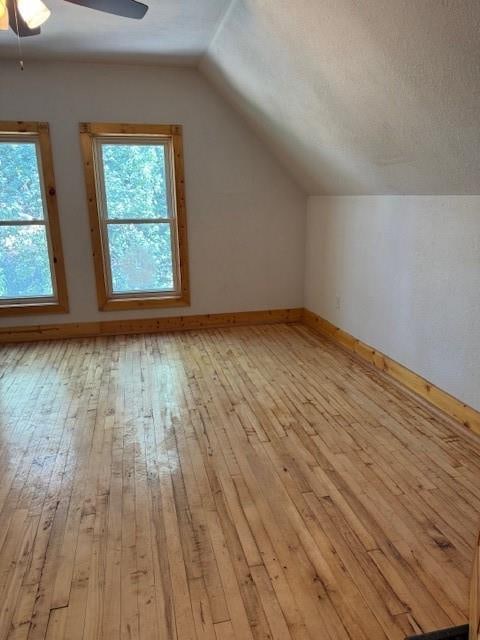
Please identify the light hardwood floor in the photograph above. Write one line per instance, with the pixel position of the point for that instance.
(225, 484)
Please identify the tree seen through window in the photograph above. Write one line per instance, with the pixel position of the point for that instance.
(136, 202)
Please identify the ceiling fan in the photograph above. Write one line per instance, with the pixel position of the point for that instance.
(26, 16)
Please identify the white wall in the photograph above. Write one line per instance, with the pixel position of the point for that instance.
(402, 273)
(246, 216)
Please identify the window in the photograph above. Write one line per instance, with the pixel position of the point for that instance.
(134, 177)
(32, 277)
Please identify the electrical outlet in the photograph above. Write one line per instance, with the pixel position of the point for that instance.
(337, 302)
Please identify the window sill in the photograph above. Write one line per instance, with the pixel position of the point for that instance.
(120, 304)
(32, 308)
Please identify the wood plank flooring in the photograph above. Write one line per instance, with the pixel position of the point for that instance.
(233, 484)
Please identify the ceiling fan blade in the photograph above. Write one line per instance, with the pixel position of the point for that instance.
(22, 30)
(124, 8)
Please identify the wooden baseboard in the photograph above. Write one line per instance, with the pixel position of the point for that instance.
(412, 381)
(147, 325)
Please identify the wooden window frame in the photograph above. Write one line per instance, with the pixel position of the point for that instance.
(90, 133)
(39, 133)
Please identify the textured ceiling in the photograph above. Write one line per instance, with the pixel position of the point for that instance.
(359, 96)
(173, 31)
(354, 96)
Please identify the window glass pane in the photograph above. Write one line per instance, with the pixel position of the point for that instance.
(20, 191)
(141, 257)
(24, 262)
(135, 182)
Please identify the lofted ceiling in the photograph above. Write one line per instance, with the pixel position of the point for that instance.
(359, 96)
(173, 31)
(354, 96)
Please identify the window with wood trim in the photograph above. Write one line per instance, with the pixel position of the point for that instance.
(135, 188)
(32, 276)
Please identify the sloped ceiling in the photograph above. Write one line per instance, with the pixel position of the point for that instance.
(359, 96)
(354, 96)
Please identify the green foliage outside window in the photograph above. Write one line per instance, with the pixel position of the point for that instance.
(24, 260)
(136, 188)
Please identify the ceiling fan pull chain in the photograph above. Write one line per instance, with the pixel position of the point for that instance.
(19, 42)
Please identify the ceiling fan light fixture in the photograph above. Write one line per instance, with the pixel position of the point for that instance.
(34, 12)
(3, 15)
